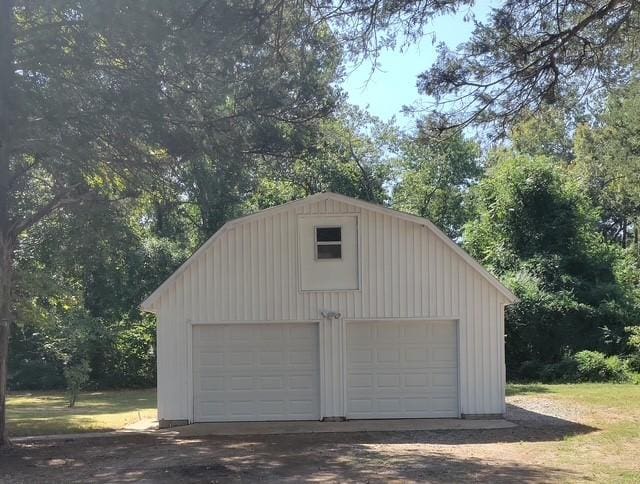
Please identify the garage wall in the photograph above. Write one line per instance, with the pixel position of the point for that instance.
(250, 273)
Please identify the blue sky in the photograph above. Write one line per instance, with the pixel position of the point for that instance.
(393, 85)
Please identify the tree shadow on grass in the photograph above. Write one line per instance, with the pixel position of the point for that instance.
(514, 389)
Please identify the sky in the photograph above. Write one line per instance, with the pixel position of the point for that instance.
(393, 84)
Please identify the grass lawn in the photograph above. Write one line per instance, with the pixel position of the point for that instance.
(40, 413)
(608, 453)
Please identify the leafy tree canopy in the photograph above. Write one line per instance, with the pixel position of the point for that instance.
(527, 54)
(608, 162)
(434, 175)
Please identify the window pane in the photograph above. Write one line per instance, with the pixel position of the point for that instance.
(328, 234)
(329, 251)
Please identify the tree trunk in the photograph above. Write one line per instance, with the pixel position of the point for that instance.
(6, 256)
(7, 238)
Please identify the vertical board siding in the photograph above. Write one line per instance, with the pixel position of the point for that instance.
(250, 273)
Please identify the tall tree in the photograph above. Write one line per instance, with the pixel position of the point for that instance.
(7, 237)
(527, 54)
(435, 174)
(535, 227)
(608, 162)
(350, 153)
(110, 98)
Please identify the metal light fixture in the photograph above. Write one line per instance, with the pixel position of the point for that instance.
(330, 314)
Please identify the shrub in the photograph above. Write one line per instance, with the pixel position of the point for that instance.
(529, 370)
(633, 363)
(35, 375)
(563, 371)
(594, 366)
(77, 377)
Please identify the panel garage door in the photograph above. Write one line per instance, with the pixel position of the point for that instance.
(402, 369)
(252, 372)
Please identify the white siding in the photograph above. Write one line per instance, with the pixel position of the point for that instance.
(250, 273)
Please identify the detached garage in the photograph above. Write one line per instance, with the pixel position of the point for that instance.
(329, 308)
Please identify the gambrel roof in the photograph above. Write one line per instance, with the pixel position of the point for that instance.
(148, 304)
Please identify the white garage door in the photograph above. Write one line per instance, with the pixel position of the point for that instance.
(402, 369)
(252, 372)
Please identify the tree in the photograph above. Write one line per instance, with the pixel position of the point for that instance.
(528, 54)
(435, 174)
(350, 153)
(608, 163)
(546, 133)
(110, 99)
(536, 229)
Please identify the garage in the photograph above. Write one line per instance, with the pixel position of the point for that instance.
(256, 372)
(402, 369)
(329, 308)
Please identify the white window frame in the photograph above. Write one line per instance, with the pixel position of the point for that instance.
(316, 242)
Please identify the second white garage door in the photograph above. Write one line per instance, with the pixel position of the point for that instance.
(402, 369)
(252, 372)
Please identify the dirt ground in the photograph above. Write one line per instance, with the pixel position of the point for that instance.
(531, 452)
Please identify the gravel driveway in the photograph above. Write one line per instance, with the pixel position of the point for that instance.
(501, 455)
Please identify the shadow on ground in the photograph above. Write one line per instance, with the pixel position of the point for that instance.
(436, 456)
(526, 389)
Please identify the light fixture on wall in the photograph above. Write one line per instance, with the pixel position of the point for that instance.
(330, 314)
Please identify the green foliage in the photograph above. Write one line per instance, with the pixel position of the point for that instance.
(592, 366)
(546, 134)
(634, 337)
(584, 366)
(535, 228)
(633, 359)
(349, 155)
(76, 375)
(434, 175)
(137, 129)
(527, 208)
(608, 163)
(526, 56)
(80, 280)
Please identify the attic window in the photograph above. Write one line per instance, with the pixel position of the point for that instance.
(328, 243)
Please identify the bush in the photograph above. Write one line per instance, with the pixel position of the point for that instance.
(35, 375)
(529, 370)
(633, 363)
(593, 366)
(77, 376)
(584, 366)
(563, 371)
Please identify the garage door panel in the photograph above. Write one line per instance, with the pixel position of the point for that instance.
(411, 332)
(360, 357)
(443, 333)
(271, 382)
(417, 380)
(260, 372)
(270, 358)
(387, 355)
(209, 358)
(406, 369)
(417, 355)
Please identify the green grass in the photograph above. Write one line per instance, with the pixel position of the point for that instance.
(609, 452)
(621, 396)
(40, 413)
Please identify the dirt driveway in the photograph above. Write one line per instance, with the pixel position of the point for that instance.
(527, 453)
